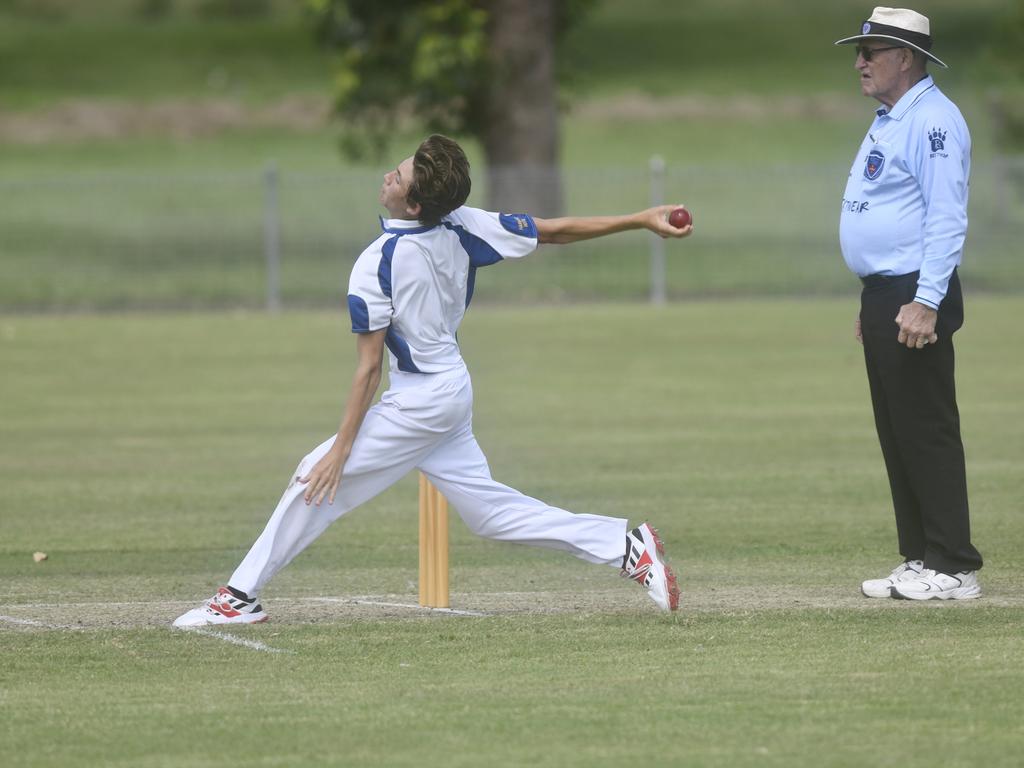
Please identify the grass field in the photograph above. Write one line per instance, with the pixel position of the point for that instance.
(144, 453)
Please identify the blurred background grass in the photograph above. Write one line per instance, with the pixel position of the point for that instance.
(134, 136)
(146, 49)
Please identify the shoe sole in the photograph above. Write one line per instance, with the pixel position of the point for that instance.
(966, 593)
(670, 575)
(226, 622)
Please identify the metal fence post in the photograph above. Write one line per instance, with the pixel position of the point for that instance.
(272, 235)
(659, 292)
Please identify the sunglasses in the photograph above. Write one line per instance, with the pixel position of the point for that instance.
(868, 53)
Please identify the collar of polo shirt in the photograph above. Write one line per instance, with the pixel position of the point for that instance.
(403, 226)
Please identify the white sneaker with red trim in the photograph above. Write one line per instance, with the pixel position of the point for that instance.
(223, 608)
(645, 564)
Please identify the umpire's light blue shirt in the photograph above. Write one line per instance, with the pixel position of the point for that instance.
(905, 205)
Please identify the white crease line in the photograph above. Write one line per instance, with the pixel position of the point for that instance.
(253, 644)
(168, 603)
(31, 623)
(104, 604)
(382, 604)
(12, 620)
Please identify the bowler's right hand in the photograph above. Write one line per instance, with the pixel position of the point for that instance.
(656, 220)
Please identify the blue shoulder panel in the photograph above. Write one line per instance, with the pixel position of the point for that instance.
(518, 224)
(359, 313)
(481, 253)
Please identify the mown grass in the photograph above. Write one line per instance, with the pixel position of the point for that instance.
(784, 689)
(144, 453)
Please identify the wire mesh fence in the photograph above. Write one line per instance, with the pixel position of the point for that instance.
(271, 238)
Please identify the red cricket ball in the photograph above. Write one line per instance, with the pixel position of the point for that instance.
(680, 218)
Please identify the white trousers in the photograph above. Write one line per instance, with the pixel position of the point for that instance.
(424, 421)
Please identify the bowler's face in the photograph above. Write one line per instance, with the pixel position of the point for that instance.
(880, 71)
(395, 190)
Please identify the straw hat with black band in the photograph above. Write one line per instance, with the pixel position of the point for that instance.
(900, 24)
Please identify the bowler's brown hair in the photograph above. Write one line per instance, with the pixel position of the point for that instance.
(440, 178)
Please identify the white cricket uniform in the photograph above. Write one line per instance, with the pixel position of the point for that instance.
(417, 282)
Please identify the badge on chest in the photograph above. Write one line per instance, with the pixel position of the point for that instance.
(873, 164)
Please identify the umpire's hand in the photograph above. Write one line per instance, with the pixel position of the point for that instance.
(917, 325)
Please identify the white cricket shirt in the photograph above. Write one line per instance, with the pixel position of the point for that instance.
(905, 205)
(417, 281)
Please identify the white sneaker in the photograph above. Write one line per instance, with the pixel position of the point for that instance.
(902, 572)
(931, 585)
(223, 608)
(644, 563)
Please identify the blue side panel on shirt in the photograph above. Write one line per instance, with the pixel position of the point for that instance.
(470, 284)
(518, 224)
(481, 253)
(400, 349)
(359, 313)
(384, 269)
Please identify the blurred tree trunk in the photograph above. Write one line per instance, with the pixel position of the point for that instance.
(520, 127)
(485, 68)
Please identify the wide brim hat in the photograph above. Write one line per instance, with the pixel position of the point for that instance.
(901, 25)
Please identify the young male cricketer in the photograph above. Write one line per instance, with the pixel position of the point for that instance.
(408, 291)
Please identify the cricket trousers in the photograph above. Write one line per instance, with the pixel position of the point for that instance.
(424, 421)
(913, 394)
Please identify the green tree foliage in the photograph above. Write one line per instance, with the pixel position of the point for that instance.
(1007, 100)
(455, 66)
(404, 58)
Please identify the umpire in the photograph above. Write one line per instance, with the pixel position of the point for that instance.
(902, 230)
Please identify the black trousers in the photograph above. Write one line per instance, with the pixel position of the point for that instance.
(914, 398)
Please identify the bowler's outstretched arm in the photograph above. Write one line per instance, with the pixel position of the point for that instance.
(570, 229)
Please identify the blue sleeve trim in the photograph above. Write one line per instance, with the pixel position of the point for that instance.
(519, 224)
(400, 349)
(384, 268)
(359, 313)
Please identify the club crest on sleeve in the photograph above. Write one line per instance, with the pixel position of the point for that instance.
(873, 164)
(937, 137)
(518, 224)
